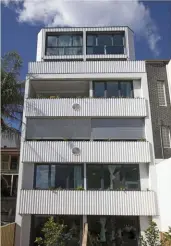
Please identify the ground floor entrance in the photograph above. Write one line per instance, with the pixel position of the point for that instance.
(102, 230)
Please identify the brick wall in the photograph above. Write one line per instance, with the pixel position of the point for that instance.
(161, 115)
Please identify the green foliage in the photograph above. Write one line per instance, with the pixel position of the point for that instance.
(152, 236)
(79, 188)
(11, 90)
(54, 234)
(167, 238)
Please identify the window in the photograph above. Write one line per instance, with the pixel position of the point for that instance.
(42, 176)
(161, 93)
(64, 44)
(58, 176)
(99, 89)
(9, 185)
(113, 177)
(105, 43)
(14, 162)
(113, 89)
(73, 225)
(123, 230)
(166, 137)
(5, 162)
(126, 89)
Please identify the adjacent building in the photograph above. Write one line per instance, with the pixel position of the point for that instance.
(87, 150)
(159, 84)
(10, 151)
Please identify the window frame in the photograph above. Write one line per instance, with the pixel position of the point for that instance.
(49, 175)
(169, 136)
(119, 88)
(164, 93)
(96, 35)
(123, 170)
(62, 47)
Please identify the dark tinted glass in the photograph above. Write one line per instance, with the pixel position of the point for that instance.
(14, 162)
(126, 89)
(64, 51)
(42, 174)
(54, 51)
(114, 50)
(94, 176)
(112, 89)
(106, 177)
(91, 40)
(104, 40)
(99, 89)
(64, 40)
(118, 39)
(51, 41)
(90, 50)
(113, 177)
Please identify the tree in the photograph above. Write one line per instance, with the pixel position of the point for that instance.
(54, 234)
(166, 241)
(152, 236)
(11, 91)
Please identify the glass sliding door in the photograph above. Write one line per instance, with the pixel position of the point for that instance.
(99, 89)
(104, 44)
(58, 176)
(113, 230)
(113, 177)
(72, 232)
(113, 89)
(42, 177)
(126, 89)
(64, 44)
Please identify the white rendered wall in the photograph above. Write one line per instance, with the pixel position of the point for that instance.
(168, 69)
(39, 46)
(163, 170)
(18, 219)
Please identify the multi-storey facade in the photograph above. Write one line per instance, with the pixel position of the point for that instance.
(10, 149)
(87, 153)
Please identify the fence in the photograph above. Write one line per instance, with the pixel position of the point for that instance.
(7, 235)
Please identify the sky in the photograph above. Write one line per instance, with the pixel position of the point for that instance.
(21, 20)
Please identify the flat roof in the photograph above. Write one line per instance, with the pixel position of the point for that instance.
(85, 27)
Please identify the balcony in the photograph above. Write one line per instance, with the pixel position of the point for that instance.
(113, 107)
(87, 67)
(89, 152)
(137, 203)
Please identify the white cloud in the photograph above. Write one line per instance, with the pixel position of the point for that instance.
(90, 13)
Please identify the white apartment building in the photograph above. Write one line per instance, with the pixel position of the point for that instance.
(87, 153)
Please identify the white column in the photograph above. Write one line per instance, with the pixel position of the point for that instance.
(18, 218)
(85, 188)
(90, 89)
(144, 224)
(84, 45)
(25, 230)
(144, 176)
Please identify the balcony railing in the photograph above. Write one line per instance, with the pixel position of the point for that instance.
(89, 152)
(114, 107)
(87, 67)
(137, 203)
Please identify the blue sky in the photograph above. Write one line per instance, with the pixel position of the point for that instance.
(22, 35)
